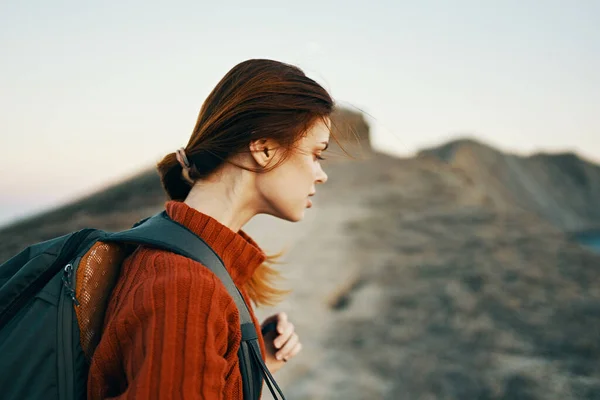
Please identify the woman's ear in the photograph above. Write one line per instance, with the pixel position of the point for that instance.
(263, 151)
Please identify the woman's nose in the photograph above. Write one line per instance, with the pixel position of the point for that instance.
(321, 176)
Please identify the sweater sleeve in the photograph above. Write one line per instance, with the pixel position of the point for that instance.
(174, 333)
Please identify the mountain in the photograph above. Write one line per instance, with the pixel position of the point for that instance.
(562, 188)
(418, 278)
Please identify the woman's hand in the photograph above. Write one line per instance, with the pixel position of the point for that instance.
(281, 341)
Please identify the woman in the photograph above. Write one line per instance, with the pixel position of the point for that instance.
(171, 330)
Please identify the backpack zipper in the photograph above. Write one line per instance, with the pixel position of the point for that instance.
(67, 338)
(67, 326)
(67, 279)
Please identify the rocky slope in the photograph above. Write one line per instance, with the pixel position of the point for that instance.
(418, 289)
(562, 188)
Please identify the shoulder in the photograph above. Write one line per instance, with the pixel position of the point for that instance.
(161, 263)
(168, 274)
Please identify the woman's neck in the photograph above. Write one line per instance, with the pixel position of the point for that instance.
(226, 196)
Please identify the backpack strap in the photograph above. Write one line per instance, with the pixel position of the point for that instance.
(160, 231)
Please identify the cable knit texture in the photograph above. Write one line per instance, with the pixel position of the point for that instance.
(171, 329)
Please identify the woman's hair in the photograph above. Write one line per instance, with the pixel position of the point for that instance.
(256, 99)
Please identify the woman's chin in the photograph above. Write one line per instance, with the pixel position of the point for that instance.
(297, 217)
(292, 216)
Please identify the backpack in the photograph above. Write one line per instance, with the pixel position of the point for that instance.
(53, 297)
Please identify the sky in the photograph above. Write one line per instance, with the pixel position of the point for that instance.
(93, 92)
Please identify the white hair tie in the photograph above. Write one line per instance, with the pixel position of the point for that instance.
(182, 158)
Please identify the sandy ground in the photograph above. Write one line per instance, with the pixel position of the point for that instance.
(408, 284)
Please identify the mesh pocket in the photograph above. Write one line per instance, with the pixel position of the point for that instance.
(97, 274)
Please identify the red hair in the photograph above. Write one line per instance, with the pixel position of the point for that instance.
(256, 99)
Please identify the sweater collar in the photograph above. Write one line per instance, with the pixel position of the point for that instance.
(240, 254)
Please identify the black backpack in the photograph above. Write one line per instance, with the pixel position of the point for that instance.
(53, 297)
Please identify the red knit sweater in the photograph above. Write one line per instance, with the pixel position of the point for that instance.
(171, 329)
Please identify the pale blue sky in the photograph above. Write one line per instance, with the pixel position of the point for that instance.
(91, 92)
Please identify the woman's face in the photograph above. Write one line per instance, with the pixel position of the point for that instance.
(286, 190)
